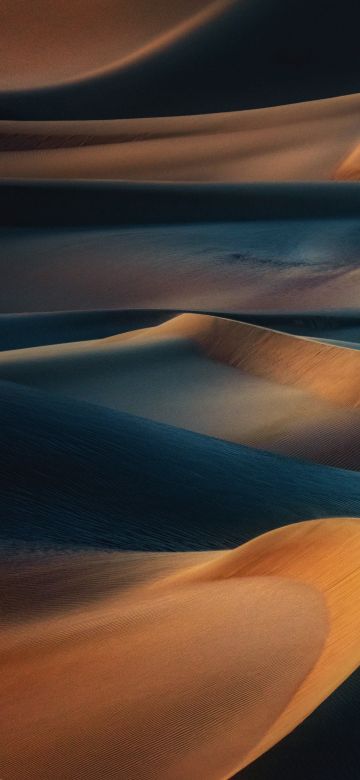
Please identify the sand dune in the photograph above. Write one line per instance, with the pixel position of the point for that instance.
(305, 141)
(19, 331)
(75, 474)
(129, 62)
(55, 44)
(224, 378)
(277, 604)
(272, 265)
(179, 382)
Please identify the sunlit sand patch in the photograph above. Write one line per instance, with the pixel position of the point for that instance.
(175, 666)
(60, 42)
(297, 142)
(349, 168)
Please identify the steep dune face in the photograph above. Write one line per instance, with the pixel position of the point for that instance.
(276, 609)
(307, 140)
(234, 380)
(236, 55)
(75, 474)
(328, 371)
(50, 42)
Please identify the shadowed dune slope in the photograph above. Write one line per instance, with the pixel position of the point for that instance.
(308, 141)
(224, 378)
(276, 608)
(249, 54)
(77, 474)
(267, 266)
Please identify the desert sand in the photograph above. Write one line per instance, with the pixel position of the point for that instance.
(349, 168)
(237, 381)
(108, 60)
(70, 475)
(277, 604)
(179, 390)
(270, 265)
(54, 40)
(305, 141)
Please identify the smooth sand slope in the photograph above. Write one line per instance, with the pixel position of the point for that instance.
(281, 609)
(47, 42)
(270, 265)
(349, 168)
(217, 376)
(103, 60)
(305, 141)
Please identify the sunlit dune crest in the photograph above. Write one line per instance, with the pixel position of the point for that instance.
(57, 42)
(154, 677)
(275, 391)
(304, 141)
(349, 168)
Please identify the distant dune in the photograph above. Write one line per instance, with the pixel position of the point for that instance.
(195, 57)
(56, 44)
(217, 376)
(272, 265)
(277, 604)
(306, 141)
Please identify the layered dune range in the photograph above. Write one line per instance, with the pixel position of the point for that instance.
(179, 363)
(229, 614)
(237, 381)
(306, 141)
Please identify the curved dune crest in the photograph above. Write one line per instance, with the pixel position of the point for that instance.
(70, 474)
(349, 168)
(281, 610)
(328, 371)
(47, 42)
(238, 54)
(307, 141)
(308, 552)
(241, 382)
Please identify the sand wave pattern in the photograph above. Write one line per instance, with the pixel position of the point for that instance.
(179, 390)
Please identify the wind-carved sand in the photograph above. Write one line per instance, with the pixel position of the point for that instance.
(61, 43)
(148, 670)
(237, 381)
(304, 141)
